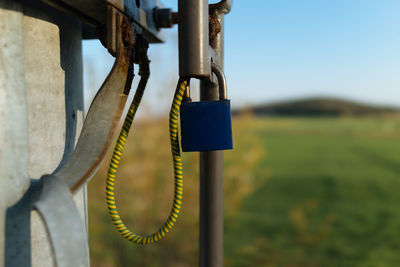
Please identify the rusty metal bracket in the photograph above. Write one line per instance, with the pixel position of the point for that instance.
(65, 229)
(94, 14)
(106, 109)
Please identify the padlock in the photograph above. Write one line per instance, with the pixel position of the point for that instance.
(207, 125)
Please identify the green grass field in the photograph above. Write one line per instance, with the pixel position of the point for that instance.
(298, 192)
(331, 196)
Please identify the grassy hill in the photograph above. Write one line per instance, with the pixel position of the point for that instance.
(319, 107)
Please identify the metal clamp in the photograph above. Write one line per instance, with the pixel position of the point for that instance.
(66, 231)
(55, 204)
(105, 112)
(224, 6)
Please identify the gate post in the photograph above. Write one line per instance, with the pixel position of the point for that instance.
(41, 114)
(212, 162)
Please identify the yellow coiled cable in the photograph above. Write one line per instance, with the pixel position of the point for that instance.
(177, 160)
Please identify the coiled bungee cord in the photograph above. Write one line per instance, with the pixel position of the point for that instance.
(177, 161)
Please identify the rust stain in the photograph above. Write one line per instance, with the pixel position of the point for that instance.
(214, 28)
(122, 64)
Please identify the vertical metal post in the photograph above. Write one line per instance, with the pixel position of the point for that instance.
(194, 58)
(211, 179)
(195, 55)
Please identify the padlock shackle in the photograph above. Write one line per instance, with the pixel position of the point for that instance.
(221, 81)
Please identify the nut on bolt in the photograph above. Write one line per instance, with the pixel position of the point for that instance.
(163, 17)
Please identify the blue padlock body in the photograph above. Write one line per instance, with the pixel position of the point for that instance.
(206, 125)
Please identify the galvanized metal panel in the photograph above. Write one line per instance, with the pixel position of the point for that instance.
(36, 74)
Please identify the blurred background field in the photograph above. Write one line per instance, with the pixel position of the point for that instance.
(309, 183)
(299, 191)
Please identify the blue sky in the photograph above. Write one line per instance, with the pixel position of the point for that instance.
(284, 49)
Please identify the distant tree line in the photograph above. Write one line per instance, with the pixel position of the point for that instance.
(329, 107)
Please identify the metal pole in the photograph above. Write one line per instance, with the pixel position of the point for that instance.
(211, 178)
(196, 51)
(194, 58)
